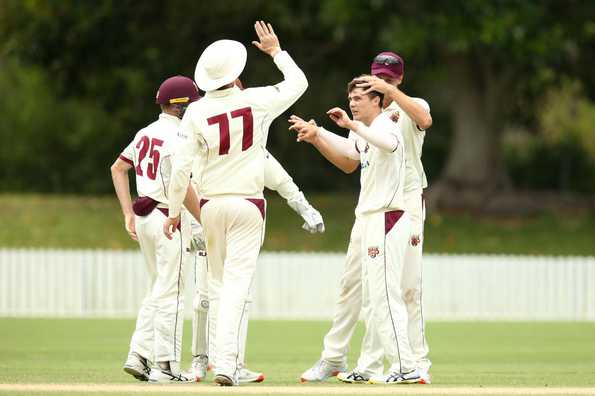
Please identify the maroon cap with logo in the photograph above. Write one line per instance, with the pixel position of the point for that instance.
(178, 89)
(388, 63)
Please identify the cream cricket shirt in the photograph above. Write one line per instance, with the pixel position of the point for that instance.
(415, 178)
(226, 133)
(149, 153)
(382, 172)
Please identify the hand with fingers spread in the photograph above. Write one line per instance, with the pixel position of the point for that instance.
(306, 131)
(373, 83)
(268, 41)
(340, 117)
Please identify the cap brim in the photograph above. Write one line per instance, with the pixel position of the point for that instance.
(236, 54)
(381, 69)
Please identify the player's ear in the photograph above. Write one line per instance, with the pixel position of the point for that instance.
(239, 83)
(377, 100)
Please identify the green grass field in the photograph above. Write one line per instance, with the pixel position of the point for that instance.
(490, 355)
(83, 222)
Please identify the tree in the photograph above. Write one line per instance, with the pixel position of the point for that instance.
(494, 60)
(566, 121)
(483, 65)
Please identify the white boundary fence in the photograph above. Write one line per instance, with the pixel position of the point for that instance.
(96, 283)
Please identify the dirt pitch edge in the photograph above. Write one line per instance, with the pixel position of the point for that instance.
(297, 389)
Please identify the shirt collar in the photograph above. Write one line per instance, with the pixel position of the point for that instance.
(392, 106)
(219, 93)
(169, 117)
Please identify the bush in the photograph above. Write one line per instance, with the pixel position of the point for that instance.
(52, 144)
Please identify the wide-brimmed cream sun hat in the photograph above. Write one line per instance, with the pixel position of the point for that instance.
(219, 64)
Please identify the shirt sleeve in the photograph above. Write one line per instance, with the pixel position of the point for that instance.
(346, 147)
(128, 154)
(422, 103)
(277, 179)
(186, 151)
(425, 106)
(278, 98)
(382, 134)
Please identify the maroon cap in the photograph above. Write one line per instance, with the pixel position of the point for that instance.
(388, 63)
(178, 89)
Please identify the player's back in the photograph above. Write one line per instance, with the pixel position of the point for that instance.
(148, 151)
(223, 136)
(233, 127)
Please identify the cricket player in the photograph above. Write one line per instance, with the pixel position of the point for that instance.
(226, 133)
(385, 232)
(414, 118)
(158, 334)
(277, 179)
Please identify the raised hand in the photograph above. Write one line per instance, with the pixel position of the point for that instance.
(306, 131)
(340, 117)
(268, 41)
(373, 83)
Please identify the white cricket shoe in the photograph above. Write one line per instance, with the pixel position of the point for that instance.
(245, 376)
(198, 369)
(225, 380)
(137, 366)
(424, 376)
(353, 377)
(321, 371)
(165, 377)
(396, 378)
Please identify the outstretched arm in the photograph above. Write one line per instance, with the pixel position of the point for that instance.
(384, 141)
(311, 133)
(278, 98)
(276, 178)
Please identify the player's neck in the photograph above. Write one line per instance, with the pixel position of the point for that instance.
(227, 86)
(173, 113)
(369, 118)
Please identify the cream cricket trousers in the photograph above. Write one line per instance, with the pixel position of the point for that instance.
(159, 325)
(385, 236)
(349, 304)
(234, 232)
(205, 320)
(412, 280)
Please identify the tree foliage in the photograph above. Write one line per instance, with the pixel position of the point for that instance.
(82, 75)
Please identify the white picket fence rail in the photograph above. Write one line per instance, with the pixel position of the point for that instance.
(103, 283)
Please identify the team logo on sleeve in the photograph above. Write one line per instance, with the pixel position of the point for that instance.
(373, 251)
(394, 117)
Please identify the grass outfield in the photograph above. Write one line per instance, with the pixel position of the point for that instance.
(83, 222)
(520, 357)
